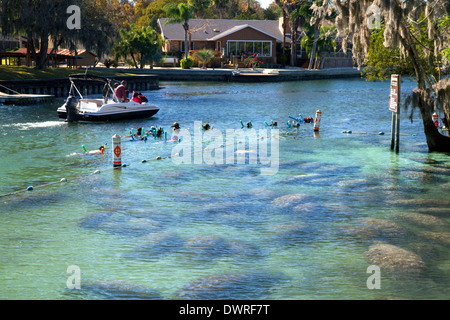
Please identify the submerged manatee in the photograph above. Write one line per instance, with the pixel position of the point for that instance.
(437, 237)
(289, 200)
(246, 286)
(153, 246)
(206, 248)
(375, 229)
(394, 259)
(291, 233)
(94, 220)
(131, 227)
(118, 289)
(421, 219)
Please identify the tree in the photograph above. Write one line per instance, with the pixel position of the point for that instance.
(180, 13)
(124, 48)
(38, 20)
(294, 9)
(221, 6)
(381, 62)
(205, 56)
(320, 12)
(315, 44)
(46, 20)
(444, 28)
(404, 28)
(142, 44)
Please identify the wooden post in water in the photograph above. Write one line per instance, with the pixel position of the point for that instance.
(394, 106)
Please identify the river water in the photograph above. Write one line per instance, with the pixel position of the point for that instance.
(339, 217)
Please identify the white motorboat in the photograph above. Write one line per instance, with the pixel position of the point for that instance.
(79, 108)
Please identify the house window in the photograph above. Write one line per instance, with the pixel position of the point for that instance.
(238, 47)
(218, 46)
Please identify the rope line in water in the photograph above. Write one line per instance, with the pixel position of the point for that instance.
(381, 133)
(30, 188)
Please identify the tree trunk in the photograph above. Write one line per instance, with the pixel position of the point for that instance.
(435, 140)
(134, 60)
(284, 28)
(294, 24)
(41, 56)
(314, 48)
(186, 42)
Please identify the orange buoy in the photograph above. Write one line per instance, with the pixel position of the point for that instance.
(435, 118)
(317, 120)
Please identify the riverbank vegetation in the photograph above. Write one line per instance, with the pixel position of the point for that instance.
(415, 37)
(28, 73)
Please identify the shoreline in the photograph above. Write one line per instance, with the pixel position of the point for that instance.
(148, 79)
(246, 74)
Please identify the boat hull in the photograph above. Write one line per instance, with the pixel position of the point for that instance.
(90, 110)
(96, 117)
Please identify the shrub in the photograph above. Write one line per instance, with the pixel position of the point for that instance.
(186, 63)
(110, 62)
(205, 56)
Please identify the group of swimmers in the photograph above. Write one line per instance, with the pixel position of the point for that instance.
(158, 133)
(142, 135)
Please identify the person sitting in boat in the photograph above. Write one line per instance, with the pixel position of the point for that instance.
(206, 127)
(121, 92)
(159, 132)
(136, 97)
(143, 98)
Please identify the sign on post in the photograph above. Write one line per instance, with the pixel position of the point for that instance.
(395, 91)
(394, 106)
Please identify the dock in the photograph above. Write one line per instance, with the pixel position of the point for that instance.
(20, 98)
(59, 88)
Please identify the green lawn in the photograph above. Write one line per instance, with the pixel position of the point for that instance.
(17, 73)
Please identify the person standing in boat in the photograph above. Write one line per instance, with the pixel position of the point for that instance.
(121, 92)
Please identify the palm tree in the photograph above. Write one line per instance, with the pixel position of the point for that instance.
(180, 13)
(125, 48)
(205, 56)
(316, 42)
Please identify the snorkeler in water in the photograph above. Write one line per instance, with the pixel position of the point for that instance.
(100, 150)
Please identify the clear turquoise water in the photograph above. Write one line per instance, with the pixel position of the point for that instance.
(165, 231)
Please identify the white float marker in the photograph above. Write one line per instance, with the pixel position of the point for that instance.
(317, 120)
(117, 151)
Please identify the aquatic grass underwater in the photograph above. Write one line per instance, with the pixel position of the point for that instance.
(338, 204)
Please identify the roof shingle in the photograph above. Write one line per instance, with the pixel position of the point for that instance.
(210, 29)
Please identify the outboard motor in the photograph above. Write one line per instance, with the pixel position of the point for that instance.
(71, 109)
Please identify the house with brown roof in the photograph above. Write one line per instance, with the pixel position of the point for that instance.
(240, 38)
(69, 58)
